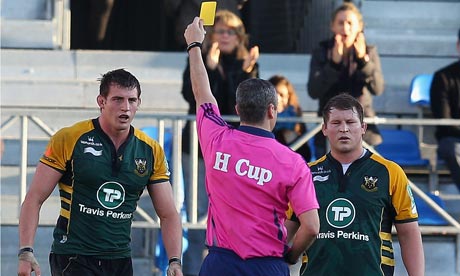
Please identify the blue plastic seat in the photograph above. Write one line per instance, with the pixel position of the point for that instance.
(419, 91)
(402, 147)
(426, 214)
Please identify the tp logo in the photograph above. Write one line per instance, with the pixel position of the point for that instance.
(111, 195)
(340, 213)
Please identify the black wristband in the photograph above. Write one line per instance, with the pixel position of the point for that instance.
(287, 258)
(362, 61)
(174, 260)
(193, 45)
(25, 249)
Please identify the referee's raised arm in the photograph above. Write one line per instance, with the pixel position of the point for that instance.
(194, 36)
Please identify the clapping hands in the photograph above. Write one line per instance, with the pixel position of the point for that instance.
(251, 59)
(338, 50)
(212, 60)
(360, 45)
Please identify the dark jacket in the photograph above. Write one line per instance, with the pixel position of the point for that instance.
(445, 98)
(328, 79)
(223, 88)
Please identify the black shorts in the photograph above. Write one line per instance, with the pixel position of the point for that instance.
(78, 265)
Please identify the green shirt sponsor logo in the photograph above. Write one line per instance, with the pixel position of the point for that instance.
(340, 213)
(111, 195)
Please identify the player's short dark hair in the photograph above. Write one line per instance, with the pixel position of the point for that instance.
(119, 77)
(343, 101)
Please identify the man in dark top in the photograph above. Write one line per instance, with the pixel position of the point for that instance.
(445, 103)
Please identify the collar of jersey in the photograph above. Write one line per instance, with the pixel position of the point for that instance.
(256, 131)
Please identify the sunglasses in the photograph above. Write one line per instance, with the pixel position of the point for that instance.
(230, 32)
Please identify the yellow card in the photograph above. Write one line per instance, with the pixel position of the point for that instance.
(208, 12)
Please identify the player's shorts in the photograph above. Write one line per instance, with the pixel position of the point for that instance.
(78, 265)
(224, 262)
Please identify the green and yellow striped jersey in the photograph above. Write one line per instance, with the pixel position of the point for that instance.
(357, 211)
(100, 187)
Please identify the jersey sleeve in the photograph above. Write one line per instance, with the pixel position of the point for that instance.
(401, 195)
(59, 149)
(209, 124)
(161, 172)
(160, 168)
(302, 195)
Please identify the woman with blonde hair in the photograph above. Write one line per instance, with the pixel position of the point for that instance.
(227, 59)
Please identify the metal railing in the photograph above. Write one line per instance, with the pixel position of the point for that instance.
(174, 123)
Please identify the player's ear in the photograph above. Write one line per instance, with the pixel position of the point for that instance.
(323, 129)
(364, 127)
(100, 101)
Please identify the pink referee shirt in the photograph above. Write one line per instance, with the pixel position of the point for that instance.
(250, 178)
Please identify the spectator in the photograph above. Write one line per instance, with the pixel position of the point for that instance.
(445, 104)
(248, 184)
(346, 64)
(101, 167)
(362, 196)
(89, 23)
(228, 63)
(138, 26)
(289, 107)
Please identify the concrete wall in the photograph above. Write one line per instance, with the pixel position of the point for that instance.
(42, 78)
(412, 28)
